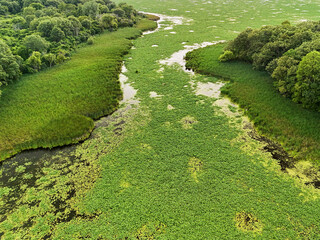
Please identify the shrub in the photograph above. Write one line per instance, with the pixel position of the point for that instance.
(90, 40)
(226, 56)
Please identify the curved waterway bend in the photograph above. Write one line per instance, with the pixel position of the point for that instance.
(28, 170)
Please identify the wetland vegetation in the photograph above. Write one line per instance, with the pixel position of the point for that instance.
(56, 106)
(180, 161)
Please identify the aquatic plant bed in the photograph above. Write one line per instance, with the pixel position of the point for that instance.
(296, 128)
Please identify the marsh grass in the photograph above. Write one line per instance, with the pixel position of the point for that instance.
(57, 106)
(146, 24)
(296, 128)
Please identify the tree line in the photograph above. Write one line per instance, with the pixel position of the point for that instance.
(37, 34)
(290, 54)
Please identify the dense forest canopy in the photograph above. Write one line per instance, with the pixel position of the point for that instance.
(36, 34)
(291, 54)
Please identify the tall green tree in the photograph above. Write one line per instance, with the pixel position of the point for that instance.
(36, 43)
(50, 59)
(57, 34)
(34, 62)
(9, 68)
(91, 9)
(307, 88)
(45, 27)
(108, 21)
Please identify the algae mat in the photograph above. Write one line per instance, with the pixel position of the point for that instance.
(180, 166)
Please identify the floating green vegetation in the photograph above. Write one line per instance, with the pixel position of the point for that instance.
(150, 231)
(57, 182)
(273, 115)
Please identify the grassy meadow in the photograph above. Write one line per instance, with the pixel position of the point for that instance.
(57, 106)
(174, 167)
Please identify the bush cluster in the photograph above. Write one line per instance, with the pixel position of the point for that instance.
(289, 53)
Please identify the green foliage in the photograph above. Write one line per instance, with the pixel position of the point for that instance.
(90, 8)
(34, 62)
(61, 56)
(50, 59)
(90, 40)
(56, 27)
(3, 10)
(226, 56)
(279, 49)
(119, 12)
(9, 67)
(57, 34)
(35, 43)
(109, 21)
(307, 87)
(18, 22)
(285, 74)
(45, 27)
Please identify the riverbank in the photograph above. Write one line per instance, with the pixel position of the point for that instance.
(276, 117)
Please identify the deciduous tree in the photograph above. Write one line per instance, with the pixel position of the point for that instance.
(36, 43)
(307, 88)
(9, 68)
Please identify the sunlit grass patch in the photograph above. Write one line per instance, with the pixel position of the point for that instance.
(195, 168)
(146, 24)
(150, 231)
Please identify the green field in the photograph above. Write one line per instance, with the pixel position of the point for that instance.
(174, 167)
(57, 106)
